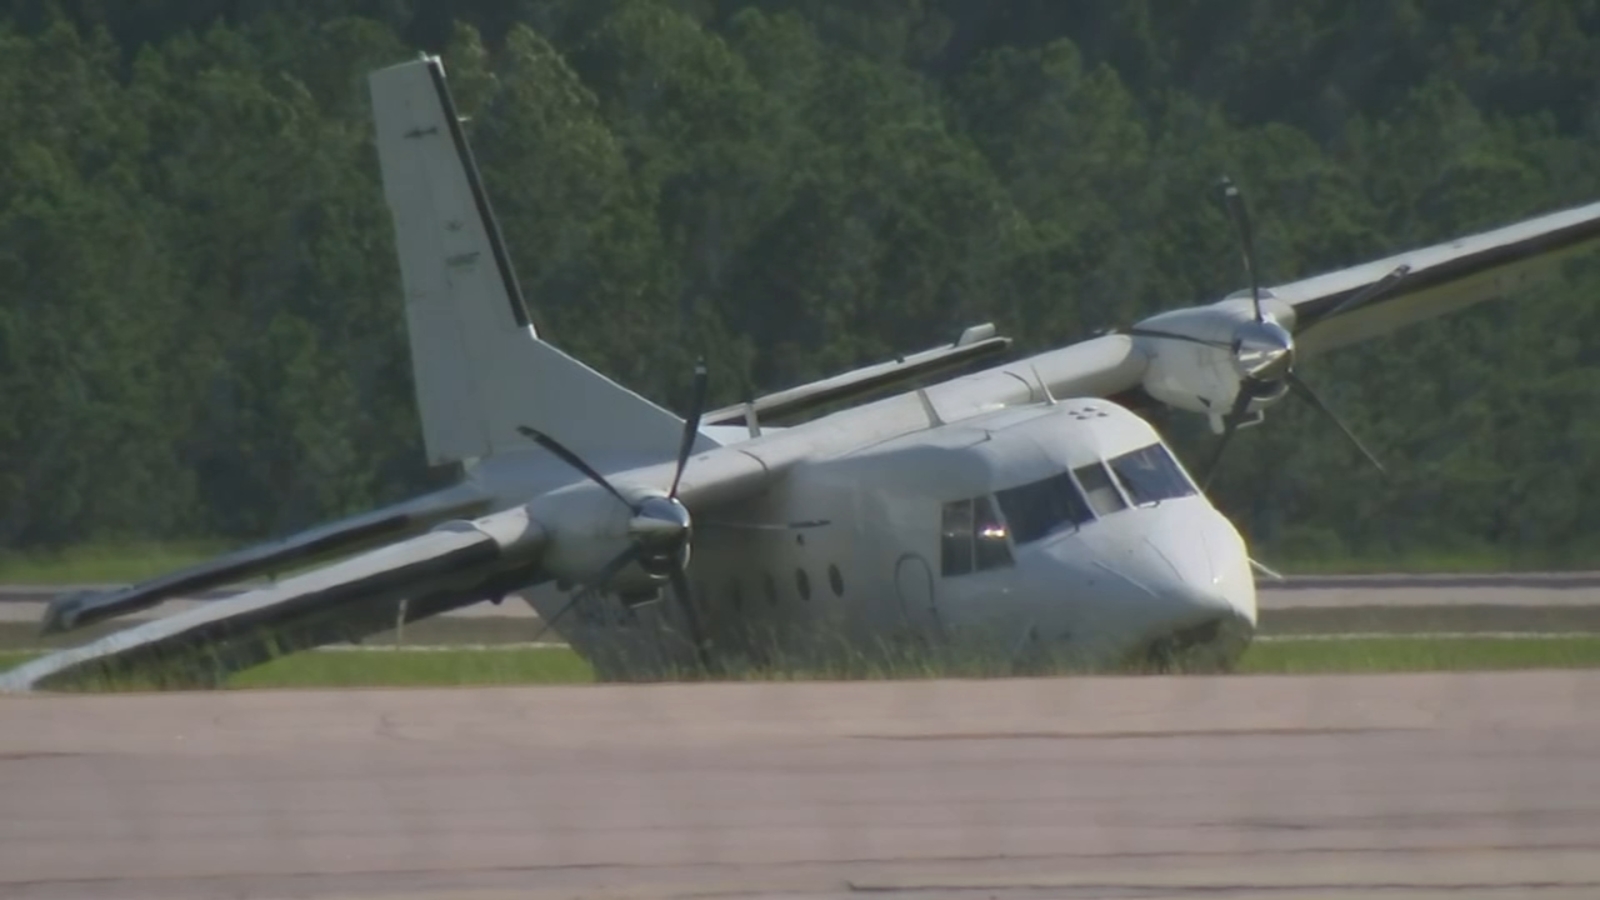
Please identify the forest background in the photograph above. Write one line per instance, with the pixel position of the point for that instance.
(201, 336)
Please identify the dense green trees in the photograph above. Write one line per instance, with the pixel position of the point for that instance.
(200, 333)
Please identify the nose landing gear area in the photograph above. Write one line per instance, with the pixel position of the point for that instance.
(1210, 647)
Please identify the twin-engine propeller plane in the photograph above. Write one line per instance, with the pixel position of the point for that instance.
(1023, 503)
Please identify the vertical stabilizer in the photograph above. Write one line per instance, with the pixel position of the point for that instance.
(480, 367)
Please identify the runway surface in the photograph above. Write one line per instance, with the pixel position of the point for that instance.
(1425, 786)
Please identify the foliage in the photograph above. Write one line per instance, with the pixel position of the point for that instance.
(201, 338)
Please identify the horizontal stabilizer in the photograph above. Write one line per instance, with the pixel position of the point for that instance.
(432, 573)
(84, 608)
(978, 342)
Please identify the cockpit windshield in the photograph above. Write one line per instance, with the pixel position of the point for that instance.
(1151, 475)
(1070, 499)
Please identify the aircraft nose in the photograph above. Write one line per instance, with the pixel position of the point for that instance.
(1197, 562)
(1187, 589)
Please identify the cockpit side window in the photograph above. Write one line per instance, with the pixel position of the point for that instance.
(1104, 498)
(989, 536)
(1035, 510)
(972, 538)
(955, 549)
(1150, 475)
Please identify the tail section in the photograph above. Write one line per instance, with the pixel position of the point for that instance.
(480, 367)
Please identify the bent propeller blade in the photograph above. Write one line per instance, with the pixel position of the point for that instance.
(1241, 221)
(572, 459)
(691, 425)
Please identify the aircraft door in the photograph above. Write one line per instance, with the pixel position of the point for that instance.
(914, 585)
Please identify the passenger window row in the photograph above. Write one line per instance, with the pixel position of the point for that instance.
(975, 535)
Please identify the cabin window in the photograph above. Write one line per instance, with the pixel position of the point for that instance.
(836, 580)
(1151, 475)
(802, 584)
(973, 538)
(1104, 498)
(1037, 509)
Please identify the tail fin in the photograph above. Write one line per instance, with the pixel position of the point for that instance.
(479, 365)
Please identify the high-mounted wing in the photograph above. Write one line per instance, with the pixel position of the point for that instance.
(458, 563)
(976, 343)
(453, 566)
(83, 608)
(1364, 301)
(1232, 359)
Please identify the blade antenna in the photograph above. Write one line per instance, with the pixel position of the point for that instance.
(1241, 221)
(571, 459)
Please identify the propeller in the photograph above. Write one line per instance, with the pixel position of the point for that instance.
(661, 528)
(1241, 222)
(1263, 351)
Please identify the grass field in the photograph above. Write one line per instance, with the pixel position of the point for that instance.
(439, 668)
(103, 563)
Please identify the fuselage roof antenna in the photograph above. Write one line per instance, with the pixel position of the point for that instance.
(1049, 398)
(927, 406)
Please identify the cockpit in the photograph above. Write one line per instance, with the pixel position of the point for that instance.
(981, 533)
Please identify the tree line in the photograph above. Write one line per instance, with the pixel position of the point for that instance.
(200, 324)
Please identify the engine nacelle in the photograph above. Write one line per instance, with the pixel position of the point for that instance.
(1198, 356)
(585, 529)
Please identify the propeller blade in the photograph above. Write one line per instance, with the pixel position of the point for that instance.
(571, 459)
(595, 585)
(1306, 393)
(691, 425)
(680, 588)
(1230, 425)
(546, 626)
(1370, 293)
(1241, 221)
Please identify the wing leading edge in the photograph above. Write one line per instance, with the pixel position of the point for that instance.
(976, 343)
(454, 565)
(1433, 281)
(84, 608)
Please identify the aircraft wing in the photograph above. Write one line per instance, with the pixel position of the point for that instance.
(1366, 300)
(83, 608)
(456, 564)
(977, 342)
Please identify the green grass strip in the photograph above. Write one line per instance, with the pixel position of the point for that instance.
(450, 668)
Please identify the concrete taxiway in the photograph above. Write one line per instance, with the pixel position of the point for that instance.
(1261, 787)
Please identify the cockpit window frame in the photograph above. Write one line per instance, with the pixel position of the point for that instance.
(973, 537)
(1172, 473)
(1103, 469)
(1077, 512)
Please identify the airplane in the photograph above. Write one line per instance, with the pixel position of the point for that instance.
(955, 503)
